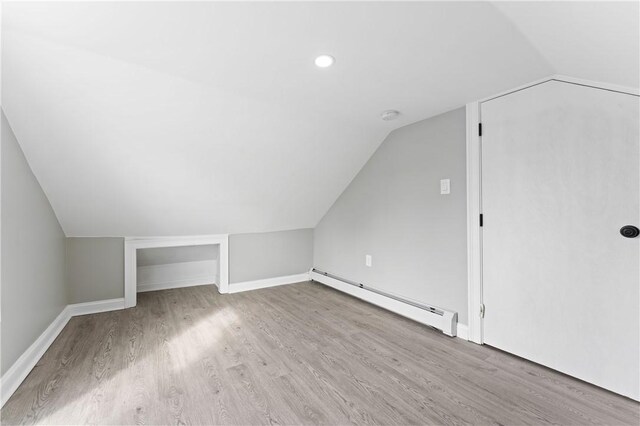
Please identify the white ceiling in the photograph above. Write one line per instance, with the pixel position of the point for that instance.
(596, 40)
(162, 118)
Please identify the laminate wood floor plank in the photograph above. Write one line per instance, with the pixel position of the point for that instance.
(299, 354)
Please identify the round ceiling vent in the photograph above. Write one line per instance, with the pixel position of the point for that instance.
(389, 115)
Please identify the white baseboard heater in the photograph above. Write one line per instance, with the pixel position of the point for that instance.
(432, 316)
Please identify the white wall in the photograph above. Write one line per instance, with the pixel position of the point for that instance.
(393, 211)
(33, 289)
(166, 255)
(170, 267)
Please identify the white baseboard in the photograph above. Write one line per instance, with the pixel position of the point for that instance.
(96, 307)
(191, 282)
(268, 282)
(463, 331)
(14, 376)
(176, 275)
(447, 323)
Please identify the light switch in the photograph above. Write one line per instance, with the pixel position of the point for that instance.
(445, 186)
(367, 260)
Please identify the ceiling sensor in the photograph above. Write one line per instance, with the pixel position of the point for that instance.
(389, 115)
(325, 61)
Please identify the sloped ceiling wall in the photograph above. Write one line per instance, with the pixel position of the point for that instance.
(595, 40)
(197, 118)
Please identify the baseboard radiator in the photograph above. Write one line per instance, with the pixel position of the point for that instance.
(439, 318)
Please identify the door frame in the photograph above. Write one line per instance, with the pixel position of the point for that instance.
(474, 194)
(133, 244)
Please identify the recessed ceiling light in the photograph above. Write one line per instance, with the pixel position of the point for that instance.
(325, 61)
(389, 115)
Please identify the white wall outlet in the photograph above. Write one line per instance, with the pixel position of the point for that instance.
(367, 260)
(445, 186)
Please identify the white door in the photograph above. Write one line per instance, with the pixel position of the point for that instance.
(560, 177)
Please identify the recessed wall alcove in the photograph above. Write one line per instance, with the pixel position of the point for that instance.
(154, 263)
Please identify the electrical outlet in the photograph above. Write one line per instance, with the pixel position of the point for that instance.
(367, 260)
(445, 186)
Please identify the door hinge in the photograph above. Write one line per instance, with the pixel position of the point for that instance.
(479, 129)
(481, 220)
(482, 311)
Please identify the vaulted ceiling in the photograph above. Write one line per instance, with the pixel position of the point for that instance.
(161, 118)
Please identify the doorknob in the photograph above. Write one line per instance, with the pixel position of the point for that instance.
(629, 231)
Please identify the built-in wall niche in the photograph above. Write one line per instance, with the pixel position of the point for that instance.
(158, 263)
(161, 268)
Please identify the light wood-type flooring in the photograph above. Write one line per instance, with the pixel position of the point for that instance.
(296, 354)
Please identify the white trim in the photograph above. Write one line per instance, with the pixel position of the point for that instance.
(462, 331)
(176, 275)
(566, 79)
(597, 84)
(96, 307)
(447, 322)
(191, 282)
(474, 232)
(132, 244)
(14, 376)
(474, 191)
(268, 282)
